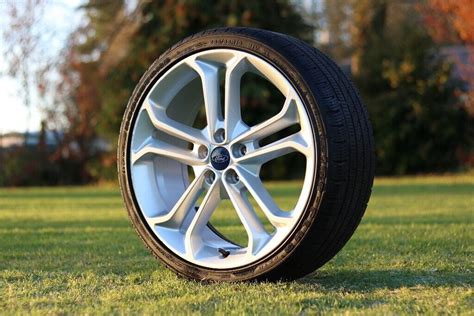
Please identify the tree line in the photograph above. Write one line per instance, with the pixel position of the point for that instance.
(421, 113)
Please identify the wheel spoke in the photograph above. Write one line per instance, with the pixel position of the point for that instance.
(254, 185)
(162, 122)
(257, 235)
(209, 74)
(274, 150)
(234, 72)
(193, 240)
(175, 217)
(155, 147)
(286, 117)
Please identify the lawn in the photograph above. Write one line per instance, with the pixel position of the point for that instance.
(72, 250)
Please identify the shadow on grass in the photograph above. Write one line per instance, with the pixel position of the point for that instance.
(371, 280)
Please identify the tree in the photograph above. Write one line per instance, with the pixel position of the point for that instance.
(169, 21)
(22, 52)
(87, 59)
(337, 15)
(119, 43)
(418, 122)
(449, 20)
(31, 63)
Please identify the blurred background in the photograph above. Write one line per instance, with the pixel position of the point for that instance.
(67, 69)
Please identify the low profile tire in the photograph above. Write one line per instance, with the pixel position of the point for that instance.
(160, 148)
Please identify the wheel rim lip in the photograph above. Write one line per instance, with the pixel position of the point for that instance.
(310, 172)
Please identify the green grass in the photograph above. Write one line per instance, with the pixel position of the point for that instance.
(72, 250)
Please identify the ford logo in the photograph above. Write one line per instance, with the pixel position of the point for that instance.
(220, 158)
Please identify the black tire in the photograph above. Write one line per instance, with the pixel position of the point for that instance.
(345, 163)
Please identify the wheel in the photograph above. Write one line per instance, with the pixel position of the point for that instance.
(176, 174)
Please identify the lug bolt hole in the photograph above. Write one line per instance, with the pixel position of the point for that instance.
(240, 150)
(210, 177)
(203, 152)
(219, 135)
(232, 177)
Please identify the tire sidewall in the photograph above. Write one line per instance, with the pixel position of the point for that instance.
(263, 267)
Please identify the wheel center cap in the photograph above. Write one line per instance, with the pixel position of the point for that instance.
(220, 158)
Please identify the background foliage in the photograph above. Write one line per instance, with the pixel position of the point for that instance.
(421, 112)
(154, 27)
(419, 122)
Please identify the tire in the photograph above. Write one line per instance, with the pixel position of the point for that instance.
(335, 139)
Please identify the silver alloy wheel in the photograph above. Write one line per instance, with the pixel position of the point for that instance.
(225, 157)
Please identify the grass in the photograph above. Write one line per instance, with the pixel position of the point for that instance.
(72, 250)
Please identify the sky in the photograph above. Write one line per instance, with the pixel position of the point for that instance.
(60, 17)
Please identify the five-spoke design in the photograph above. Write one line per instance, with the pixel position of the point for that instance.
(226, 157)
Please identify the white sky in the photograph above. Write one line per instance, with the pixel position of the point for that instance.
(60, 18)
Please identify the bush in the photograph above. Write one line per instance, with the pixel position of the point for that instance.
(419, 123)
